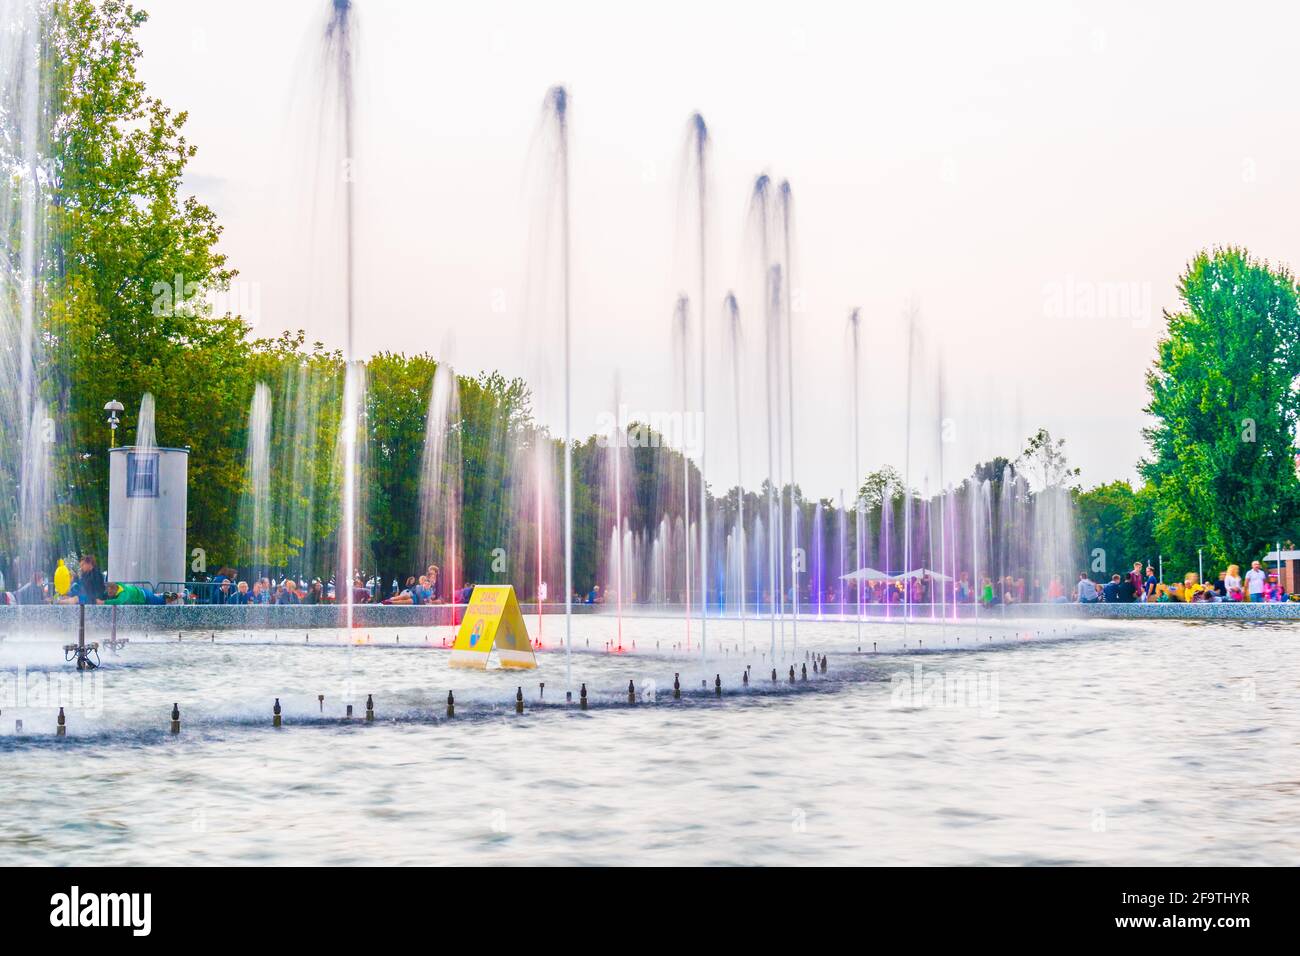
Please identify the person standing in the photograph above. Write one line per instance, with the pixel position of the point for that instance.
(1136, 579)
(1152, 583)
(1256, 582)
(1232, 582)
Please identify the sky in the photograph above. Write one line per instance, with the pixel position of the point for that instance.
(1024, 181)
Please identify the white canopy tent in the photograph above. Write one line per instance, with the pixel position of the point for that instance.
(922, 572)
(866, 574)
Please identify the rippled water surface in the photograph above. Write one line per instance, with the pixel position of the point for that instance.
(1031, 742)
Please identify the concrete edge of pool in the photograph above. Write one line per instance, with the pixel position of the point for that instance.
(308, 617)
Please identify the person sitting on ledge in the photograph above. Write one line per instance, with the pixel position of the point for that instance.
(1087, 590)
(409, 595)
(89, 586)
(33, 592)
(240, 595)
(130, 594)
(1110, 593)
(360, 593)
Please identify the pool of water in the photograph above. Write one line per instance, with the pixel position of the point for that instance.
(972, 743)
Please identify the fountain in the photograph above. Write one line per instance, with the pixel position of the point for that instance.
(699, 139)
(681, 334)
(339, 51)
(557, 113)
(787, 212)
(440, 484)
(255, 502)
(737, 347)
(26, 426)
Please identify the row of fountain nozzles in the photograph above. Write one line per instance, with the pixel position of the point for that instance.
(277, 712)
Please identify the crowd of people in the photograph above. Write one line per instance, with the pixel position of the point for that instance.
(89, 586)
(1141, 583)
(1258, 584)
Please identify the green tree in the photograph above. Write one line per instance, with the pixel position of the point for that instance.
(132, 261)
(1115, 519)
(882, 481)
(1044, 459)
(1222, 462)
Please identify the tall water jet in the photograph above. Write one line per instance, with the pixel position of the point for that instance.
(310, 391)
(787, 213)
(351, 455)
(26, 427)
(339, 50)
(255, 501)
(855, 323)
(818, 558)
(770, 284)
(737, 343)
(557, 109)
(700, 142)
(617, 444)
(839, 589)
(907, 468)
(440, 483)
(140, 529)
(775, 523)
(941, 435)
(681, 333)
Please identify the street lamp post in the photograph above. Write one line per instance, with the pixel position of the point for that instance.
(112, 410)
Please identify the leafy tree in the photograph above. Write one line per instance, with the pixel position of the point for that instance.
(994, 469)
(1045, 460)
(1222, 462)
(877, 484)
(1116, 519)
(131, 261)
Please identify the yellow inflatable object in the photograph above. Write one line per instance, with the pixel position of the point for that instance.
(62, 579)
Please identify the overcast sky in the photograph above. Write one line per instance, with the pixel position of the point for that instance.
(1029, 178)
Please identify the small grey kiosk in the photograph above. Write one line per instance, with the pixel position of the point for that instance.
(146, 514)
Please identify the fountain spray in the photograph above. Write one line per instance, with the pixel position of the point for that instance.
(681, 322)
(907, 475)
(619, 437)
(338, 40)
(558, 99)
(733, 324)
(701, 141)
(943, 497)
(776, 579)
(771, 278)
(843, 545)
(855, 322)
(787, 210)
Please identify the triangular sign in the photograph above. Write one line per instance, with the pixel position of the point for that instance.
(493, 619)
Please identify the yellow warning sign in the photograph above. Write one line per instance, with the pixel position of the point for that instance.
(492, 620)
